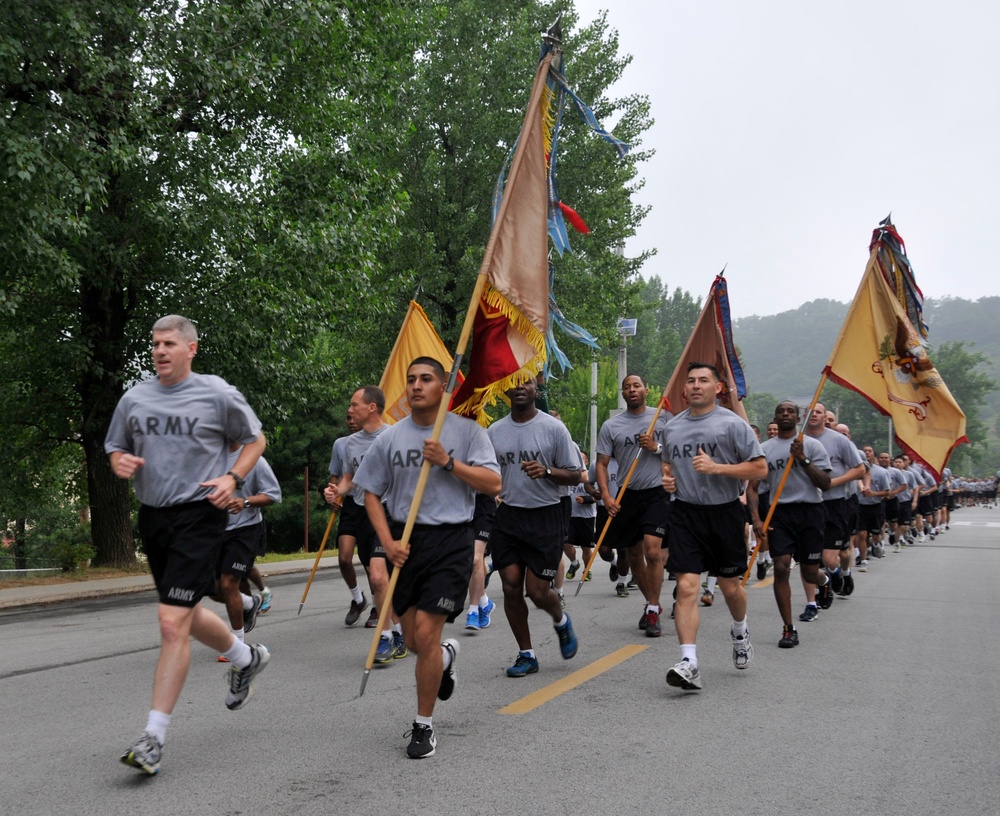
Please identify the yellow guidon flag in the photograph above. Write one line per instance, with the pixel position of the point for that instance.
(417, 338)
(880, 354)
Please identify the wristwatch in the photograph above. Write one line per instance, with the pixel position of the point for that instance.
(246, 504)
(659, 448)
(240, 481)
(806, 462)
(449, 465)
(548, 472)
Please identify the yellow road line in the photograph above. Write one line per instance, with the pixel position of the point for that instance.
(571, 681)
(765, 581)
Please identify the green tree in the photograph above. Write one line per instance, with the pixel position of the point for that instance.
(971, 387)
(226, 161)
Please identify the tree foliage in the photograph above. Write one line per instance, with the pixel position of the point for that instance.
(220, 160)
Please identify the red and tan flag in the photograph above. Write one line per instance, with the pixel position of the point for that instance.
(508, 334)
(880, 354)
(711, 342)
(417, 338)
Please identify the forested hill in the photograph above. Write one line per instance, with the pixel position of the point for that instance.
(784, 354)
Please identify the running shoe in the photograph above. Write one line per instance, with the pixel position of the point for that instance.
(684, 676)
(848, 585)
(472, 619)
(489, 574)
(484, 614)
(571, 572)
(621, 590)
(423, 743)
(631, 584)
(386, 651)
(863, 567)
(399, 645)
(742, 650)
(789, 638)
(222, 659)
(265, 601)
(653, 628)
(562, 600)
(372, 621)
(144, 754)
(450, 675)
(241, 680)
(837, 582)
(824, 595)
(644, 620)
(898, 548)
(588, 577)
(811, 613)
(761, 570)
(568, 643)
(354, 613)
(613, 573)
(250, 615)
(707, 598)
(524, 665)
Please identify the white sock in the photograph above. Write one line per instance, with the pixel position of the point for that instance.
(473, 608)
(156, 725)
(653, 608)
(563, 620)
(423, 721)
(528, 653)
(484, 601)
(247, 602)
(239, 634)
(689, 651)
(387, 633)
(238, 654)
(357, 595)
(397, 628)
(445, 658)
(739, 628)
(712, 581)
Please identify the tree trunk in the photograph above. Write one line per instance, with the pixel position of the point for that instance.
(111, 510)
(20, 544)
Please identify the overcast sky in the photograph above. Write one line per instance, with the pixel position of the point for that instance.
(785, 131)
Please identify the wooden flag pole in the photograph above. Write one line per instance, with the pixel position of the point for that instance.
(463, 342)
(319, 554)
(621, 491)
(784, 478)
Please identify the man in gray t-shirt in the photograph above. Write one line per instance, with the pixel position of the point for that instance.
(639, 519)
(172, 435)
(434, 568)
(537, 459)
(711, 452)
(797, 516)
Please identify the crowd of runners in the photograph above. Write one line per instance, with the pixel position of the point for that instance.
(517, 503)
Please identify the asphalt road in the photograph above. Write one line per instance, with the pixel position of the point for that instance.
(890, 705)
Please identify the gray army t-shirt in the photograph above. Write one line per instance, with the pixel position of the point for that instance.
(357, 445)
(619, 439)
(183, 432)
(543, 439)
(721, 434)
(798, 488)
(843, 456)
(391, 469)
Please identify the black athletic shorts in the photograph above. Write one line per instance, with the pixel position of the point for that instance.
(949, 501)
(642, 513)
(853, 505)
(483, 516)
(871, 518)
(566, 502)
(797, 530)
(581, 531)
(435, 577)
(600, 521)
(368, 543)
(182, 544)
(891, 510)
(240, 546)
(839, 523)
(905, 511)
(347, 521)
(531, 537)
(707, 537)
(925, 505)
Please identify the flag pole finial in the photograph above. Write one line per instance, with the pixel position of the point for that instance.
(553, 35)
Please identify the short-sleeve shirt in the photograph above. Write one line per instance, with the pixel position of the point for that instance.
(619, 439)
(355, 448)
(879, 481)
(337, 457)
(543, 439)
(798, 487)
(897, 479)
(721, 434)
(392, 465)
(843, 456)
(183, 432)
(260, 479)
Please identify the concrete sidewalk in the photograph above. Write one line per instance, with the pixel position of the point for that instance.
(143, 582)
